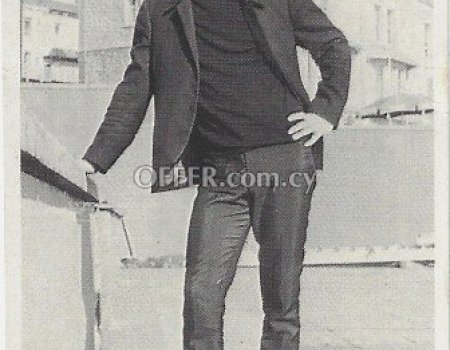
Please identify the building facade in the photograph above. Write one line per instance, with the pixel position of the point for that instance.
(392, 48)
(49, 41)
(106, 29)
(391, 42)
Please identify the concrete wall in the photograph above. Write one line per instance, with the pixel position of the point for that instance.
(58, 299)
(377, 188)
(68, 251)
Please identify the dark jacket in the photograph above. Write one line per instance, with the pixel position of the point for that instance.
(165, 63)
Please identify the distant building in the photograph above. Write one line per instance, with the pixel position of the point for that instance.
(49, 41)
(392, 47)
(391, 42)
(106, 29)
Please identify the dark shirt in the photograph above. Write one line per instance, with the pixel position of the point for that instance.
(243, 104)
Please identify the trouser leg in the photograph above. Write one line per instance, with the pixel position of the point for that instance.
(218, 229)
(282, 235)
(280, 220)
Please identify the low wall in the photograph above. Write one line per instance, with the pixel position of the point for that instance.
(68, 252)
(59, 229)
(377, 188)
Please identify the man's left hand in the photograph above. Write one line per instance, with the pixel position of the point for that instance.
(308, 124)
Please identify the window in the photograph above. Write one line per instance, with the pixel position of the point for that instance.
(26, 57)
(57, 28)
(27, 26)
(427, 30)
(378, 22)
(390, 29)
(130, 11)
(379, 82)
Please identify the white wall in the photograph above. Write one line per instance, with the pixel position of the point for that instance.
(41, 37)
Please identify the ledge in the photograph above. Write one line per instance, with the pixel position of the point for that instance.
(44, 158)
(32, 166)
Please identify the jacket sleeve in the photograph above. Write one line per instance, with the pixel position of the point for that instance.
(330, 50)
(129, 103)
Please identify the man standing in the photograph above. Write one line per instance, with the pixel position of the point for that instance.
(228, 96)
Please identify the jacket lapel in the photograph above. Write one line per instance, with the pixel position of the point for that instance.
(278, 37)
(183, 8)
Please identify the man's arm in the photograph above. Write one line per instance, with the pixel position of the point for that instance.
(330, 50)
(129, 103)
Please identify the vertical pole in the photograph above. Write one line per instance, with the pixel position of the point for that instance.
(99, 243)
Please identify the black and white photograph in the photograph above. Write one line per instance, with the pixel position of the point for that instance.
(226, 174)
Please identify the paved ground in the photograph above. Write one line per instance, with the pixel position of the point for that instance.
(342, 308)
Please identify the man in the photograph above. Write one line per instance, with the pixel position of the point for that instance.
(228, 96)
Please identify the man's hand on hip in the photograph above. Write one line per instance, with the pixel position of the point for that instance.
(308, 124)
